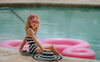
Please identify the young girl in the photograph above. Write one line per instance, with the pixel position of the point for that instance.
(31, 28)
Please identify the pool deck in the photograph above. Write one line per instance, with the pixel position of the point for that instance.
(10, 55)
(57, 1)
(51, 3)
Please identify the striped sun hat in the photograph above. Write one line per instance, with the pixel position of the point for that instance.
(47, 56)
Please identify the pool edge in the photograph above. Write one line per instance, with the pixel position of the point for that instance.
(49, 4)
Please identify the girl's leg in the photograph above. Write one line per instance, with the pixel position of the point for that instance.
(51, 47)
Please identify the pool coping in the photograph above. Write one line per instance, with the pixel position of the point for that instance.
(49, 4)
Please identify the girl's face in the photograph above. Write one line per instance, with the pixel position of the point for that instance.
(34, 23)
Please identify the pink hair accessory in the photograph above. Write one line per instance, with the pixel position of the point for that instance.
(31, 16)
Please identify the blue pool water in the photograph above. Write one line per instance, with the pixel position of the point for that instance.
(55, 22)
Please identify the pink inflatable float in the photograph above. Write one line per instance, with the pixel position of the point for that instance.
(67, 47)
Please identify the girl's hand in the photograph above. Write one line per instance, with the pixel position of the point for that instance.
(22, 50)
(47, 50)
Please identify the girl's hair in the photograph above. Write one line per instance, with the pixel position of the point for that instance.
(27, 23)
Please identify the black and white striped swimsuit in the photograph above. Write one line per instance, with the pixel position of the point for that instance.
(32, 45)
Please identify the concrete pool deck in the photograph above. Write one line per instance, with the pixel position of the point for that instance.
(10, 55)
(51, 3)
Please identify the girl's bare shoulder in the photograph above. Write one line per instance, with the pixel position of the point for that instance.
(29, 32)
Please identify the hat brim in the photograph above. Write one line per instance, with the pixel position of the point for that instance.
(39, 57)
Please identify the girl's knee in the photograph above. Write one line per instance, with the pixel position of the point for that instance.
(52, 46)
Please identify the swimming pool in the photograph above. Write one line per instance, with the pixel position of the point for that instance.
(55, 22)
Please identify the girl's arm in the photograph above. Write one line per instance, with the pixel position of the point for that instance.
(34, 38)
(22, 45)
